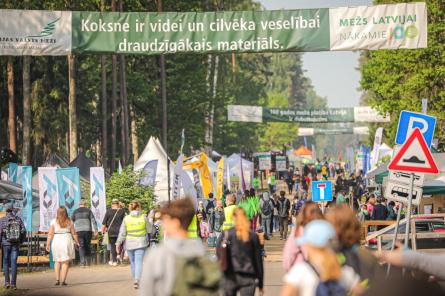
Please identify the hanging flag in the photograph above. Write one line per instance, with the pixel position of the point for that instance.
(176, 190)
(24, 175)
(150, 169)
(97, 194)
(206, 177)
(228, 178)
(48, 193)
(243, 182)
(375, 149)
(305, 141)
(119, 168)
(12, 172)
(314, 153)
(68, 185)
(220, 179)
(182, 140)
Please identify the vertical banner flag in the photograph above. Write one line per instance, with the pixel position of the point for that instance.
(49, 197)
(68, 185)
(314, 153)
(206, 176)
(305, 141)
(25, 177)
(176, 192)
(229, 187)
(377, 142)
(424, 105)
(150, 169)
(12, 172)
(188, 187)
(97, 194)
(220, 179)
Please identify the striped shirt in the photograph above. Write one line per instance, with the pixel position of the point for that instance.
(83, 219)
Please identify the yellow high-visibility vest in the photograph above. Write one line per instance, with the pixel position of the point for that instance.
(135, 226)
(228, 217)
(192, 231)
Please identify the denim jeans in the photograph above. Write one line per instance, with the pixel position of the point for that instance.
(85, 245)
(276, 223)
(265, 223)
(10, 254)
(136, 257)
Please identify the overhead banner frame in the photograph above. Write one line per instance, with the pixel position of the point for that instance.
(39, 32)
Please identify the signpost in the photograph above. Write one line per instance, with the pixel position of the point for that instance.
(280, 163)
(410, 163)
(322, 192)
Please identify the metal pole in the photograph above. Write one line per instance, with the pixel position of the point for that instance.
(408, 211)
(28, 234)
(396, 230)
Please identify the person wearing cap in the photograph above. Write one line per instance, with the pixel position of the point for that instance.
(86, 227)
(321, 266)
(111, 226)
(10, 248)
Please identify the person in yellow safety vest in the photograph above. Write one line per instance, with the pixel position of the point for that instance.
(228, 212)
(135, 231)
(192, 231)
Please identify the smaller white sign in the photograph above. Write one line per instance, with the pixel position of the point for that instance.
(400, 192)
(405, 178)
(280, 162)
(245, 113)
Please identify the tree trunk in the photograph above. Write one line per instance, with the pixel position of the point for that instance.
(72, 117)
(113, 104)
(122, 113)
(213, 90)
(134, 135)
(11, 106)
(104, 153)
(163, 91)
(26, 110)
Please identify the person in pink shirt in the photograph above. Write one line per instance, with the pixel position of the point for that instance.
(370, 204)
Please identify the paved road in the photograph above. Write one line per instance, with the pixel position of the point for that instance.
(108, 281)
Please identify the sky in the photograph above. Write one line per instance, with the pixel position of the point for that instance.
(333, 74)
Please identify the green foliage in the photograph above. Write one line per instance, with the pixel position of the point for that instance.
(398, 80)
(126, 188)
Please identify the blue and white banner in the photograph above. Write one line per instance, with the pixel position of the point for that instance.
(49, 197)
(97, 191)
(68, 184)
(150, 170)
(24, 176)
(12, 171)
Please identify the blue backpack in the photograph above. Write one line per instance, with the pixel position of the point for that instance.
(328, 288)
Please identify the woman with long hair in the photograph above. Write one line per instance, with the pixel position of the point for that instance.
(320, 272)
(61, 239)
(291, 252)
(241, 252)
(135, 230)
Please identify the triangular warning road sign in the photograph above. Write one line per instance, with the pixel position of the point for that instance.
(414, 156)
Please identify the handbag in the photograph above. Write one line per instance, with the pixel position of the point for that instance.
(106, 237)
(222, 252)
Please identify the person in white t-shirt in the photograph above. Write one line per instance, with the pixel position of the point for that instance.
(322, 269)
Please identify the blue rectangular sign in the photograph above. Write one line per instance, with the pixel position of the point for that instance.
(322, 191)
(411, 120)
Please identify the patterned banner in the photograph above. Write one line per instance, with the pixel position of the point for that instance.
(220, 179)
(12, 172)
(176, 190)
(25, 178)
(206, 176)
(49, 197)
(150, 169)
(68, 184)
(97, 194)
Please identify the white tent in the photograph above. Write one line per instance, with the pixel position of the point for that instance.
(155, 151)
(234, 165)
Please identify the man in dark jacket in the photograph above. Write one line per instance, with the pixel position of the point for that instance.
(12, 234)
(85, 226)
(283, 207)
(380, 211)
(111, 224)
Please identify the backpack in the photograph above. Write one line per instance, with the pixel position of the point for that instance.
(196, 276)
(266, 209)
(210, 207)
(328, 288)
(13, 231)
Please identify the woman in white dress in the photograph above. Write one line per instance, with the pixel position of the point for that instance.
(61, 235)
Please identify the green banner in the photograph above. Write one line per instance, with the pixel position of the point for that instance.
(243, 31)
(316, 115)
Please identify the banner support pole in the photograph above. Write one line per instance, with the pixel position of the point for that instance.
(408, 214)
(396, 230)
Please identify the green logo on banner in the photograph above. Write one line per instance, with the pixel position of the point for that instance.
(48, 30)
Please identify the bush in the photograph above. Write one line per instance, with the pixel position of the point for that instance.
(126, 188)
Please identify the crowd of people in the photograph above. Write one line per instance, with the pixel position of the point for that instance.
(169, 247)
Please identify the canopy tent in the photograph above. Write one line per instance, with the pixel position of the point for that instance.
(83, 163)
(434, 187)
(302, 151)
(233, 164)
(383, 168)
(154, 151)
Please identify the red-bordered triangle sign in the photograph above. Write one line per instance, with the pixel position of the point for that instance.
(414, 156)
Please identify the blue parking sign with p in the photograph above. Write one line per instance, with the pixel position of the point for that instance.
(409, 121)
(321, 191)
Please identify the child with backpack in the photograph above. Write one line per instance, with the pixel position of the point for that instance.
(179, 265)
(12, 234)
(321, 274)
